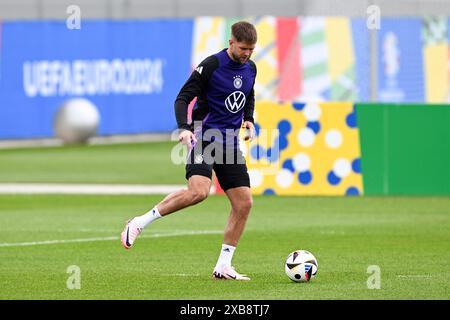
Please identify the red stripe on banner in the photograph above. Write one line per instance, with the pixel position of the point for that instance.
(288, 58)
(219, 189)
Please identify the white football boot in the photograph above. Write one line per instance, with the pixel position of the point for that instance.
(228, 273)
(129, 234)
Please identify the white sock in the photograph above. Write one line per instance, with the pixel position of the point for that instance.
(148, 217)
(226, 254)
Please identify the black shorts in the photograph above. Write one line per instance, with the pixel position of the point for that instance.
(228, 164)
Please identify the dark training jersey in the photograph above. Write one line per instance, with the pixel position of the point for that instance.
(225, 97)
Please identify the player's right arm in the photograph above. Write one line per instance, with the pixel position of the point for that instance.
(195, 86)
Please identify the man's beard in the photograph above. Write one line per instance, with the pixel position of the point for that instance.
(238, 59)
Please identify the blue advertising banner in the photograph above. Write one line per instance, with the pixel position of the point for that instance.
(360, 36)
(131, 70)
(1, 35)
(400, 64)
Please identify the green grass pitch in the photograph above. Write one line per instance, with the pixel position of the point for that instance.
(406, 237)
(132, 163)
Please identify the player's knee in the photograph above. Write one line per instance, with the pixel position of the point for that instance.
(198, 195)
(245, 205)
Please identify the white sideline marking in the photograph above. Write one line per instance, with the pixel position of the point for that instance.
(114, 189)
(156, 235)
(59, 188)
(414, 276)
(181, 275)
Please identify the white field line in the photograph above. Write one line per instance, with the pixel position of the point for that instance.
(110, 189)
(55, 142)
(182, 275)
(115, 238)
(57, 188)
(414, 276)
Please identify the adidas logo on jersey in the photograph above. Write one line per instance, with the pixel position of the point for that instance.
(199, 69)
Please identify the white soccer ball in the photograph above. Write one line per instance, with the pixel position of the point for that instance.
(301, 266)
(76, 121)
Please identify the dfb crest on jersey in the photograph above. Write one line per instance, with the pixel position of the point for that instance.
(235, 101)
(237, 82)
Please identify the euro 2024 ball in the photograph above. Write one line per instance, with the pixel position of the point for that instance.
(301, 266)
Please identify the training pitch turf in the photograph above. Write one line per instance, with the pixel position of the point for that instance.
(406, 237)
(132, 163)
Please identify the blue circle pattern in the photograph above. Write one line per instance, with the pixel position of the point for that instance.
(258, 152)
(298, 106)
(356, 165)
(283, 143)
(305, 177)
(289, 165)
(269, 192)
(352, 191)
(314, 126)
(273, 156)
(351, 119)
(284, 126)
(280, 143)
(333, 179)
(257, 129)
(269, 154)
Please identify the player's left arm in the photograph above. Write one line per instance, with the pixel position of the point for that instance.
(248, 116)
(249, 108)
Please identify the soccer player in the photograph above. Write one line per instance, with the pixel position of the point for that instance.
(223, 84)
